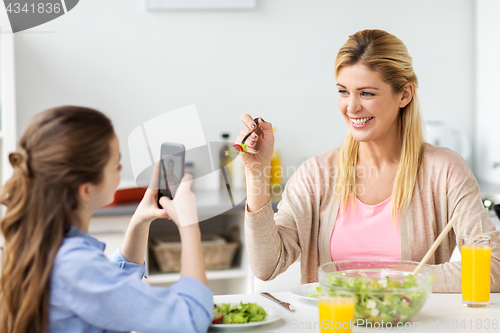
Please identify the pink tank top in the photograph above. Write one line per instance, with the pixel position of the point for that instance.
(367, 233)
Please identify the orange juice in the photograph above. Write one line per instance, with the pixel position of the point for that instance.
(336, 314)
(476, 265)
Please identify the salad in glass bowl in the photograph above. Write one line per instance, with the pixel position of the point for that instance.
(385, 290)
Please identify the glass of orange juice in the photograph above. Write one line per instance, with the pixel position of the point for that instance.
(336, 311)
(476, 266)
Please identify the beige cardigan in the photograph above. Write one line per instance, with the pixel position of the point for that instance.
(308, 210)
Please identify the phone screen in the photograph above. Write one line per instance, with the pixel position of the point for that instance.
(171, 169)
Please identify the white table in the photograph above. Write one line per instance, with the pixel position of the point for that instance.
(441, 313)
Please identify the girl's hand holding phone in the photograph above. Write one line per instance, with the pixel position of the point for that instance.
(148, 210)
(262, 140)
(182, 209)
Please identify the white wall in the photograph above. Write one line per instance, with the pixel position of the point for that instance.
(488, 71)
(275, 61)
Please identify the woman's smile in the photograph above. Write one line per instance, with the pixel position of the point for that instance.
(361, 122)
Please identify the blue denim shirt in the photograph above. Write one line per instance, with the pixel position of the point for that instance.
(92, 293)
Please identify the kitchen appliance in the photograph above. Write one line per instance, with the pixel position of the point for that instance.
(497, 210)
(440, 134)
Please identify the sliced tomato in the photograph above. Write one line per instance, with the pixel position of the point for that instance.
(238, 147)
(218, 317)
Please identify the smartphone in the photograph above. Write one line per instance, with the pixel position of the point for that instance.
(171, 169)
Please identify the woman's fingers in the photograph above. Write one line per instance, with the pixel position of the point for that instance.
(252, 140)
(251, 125)
(267, 128)
(240, 137)
(252, 150)
(248, 121)
(260, 132)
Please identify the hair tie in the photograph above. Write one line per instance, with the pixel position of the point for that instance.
(19, 159)
(15, 159)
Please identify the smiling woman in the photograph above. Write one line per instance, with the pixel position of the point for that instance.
(379, 84)
(384, 194)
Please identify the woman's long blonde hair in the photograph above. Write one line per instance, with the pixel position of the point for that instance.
(61, 149)
(386, 54)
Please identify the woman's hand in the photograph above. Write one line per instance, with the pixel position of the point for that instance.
(182, 209)
(261, 140)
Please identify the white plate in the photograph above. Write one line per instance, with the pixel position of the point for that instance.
(272, 316)
(305, 289)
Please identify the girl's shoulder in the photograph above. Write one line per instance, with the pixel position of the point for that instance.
(77, 251)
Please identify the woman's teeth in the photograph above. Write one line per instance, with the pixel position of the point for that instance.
(361, 121)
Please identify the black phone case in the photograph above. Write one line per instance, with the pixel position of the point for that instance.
(166, 191)
(163, 189)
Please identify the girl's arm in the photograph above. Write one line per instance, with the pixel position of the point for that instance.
(182, 210)
(134, 245)
(192, 263)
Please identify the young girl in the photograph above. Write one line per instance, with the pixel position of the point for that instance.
(55, 277)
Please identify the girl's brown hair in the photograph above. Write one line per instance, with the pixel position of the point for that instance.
(386, 54)
(61, 149)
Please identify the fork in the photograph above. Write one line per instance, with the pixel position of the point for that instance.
(286, 305)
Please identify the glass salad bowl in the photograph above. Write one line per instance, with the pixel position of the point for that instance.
(385, 290)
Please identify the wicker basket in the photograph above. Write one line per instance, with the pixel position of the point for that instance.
(218, 253)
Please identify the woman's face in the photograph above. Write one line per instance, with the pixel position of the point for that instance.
(105, 191)
(368, 104)
(170, 168)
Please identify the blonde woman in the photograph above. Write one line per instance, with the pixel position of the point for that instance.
(383, 194)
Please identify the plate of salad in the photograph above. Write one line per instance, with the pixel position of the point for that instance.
(307, 292)
(241, 315)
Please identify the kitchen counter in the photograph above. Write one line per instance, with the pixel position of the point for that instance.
(208, 202)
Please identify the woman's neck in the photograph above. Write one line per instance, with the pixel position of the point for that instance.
(381, 152)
